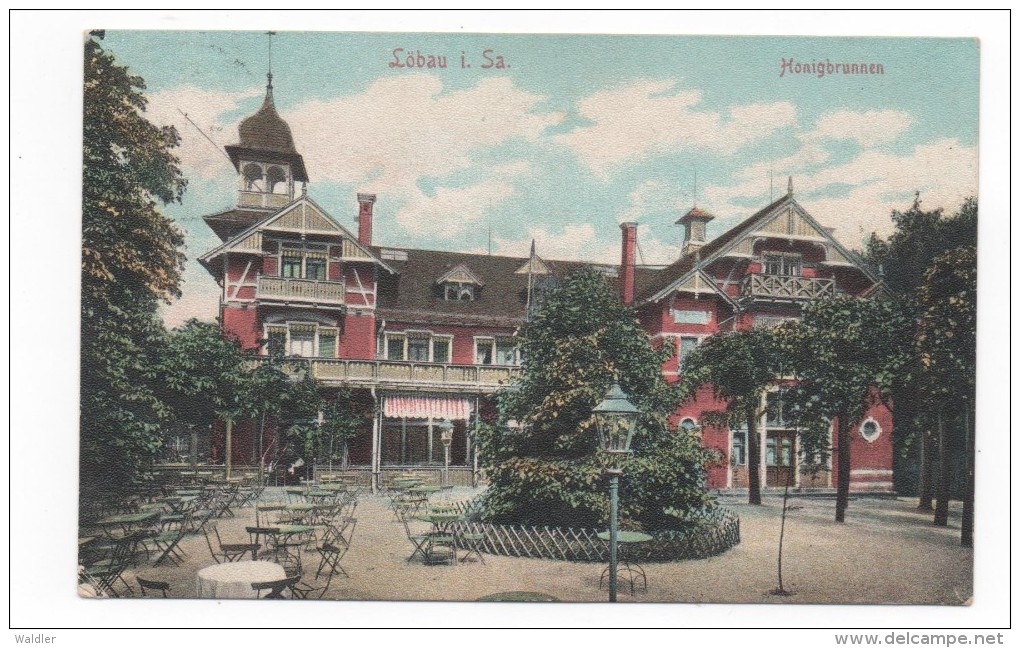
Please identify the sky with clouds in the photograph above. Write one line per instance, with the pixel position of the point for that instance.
(573, 136)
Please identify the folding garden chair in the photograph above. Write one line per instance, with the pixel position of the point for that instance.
(229, 552)
(257, 535)
(108, 571)
(420, 541)
(473, 543)
(275, 588)
(159, 586)
(330, 564)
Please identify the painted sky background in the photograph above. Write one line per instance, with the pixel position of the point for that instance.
(578, 134)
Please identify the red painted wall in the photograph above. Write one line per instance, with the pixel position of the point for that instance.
(357, 342)
(242, 323)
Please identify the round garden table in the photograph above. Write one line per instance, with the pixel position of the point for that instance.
(233, 580)
(627, 569)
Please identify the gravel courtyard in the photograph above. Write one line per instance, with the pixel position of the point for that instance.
(886, 552)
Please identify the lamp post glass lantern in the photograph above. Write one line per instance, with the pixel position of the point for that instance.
(446, 436)
(615, 419)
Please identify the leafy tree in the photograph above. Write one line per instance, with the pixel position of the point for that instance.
(131, 260)
(542, 455)
(740, 366)
(847, 353)
(947, 342)
(904, 257)
(203, 375)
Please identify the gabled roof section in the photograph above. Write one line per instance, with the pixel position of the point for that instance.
(535, 266)
(460, 274)
(412, 294)
(768, 221)
(229, 222)
(303, 216)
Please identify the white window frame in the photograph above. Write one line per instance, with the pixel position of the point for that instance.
(317, 331)
(492, 342)
(878, 430)
(681, 336)
(733, 436)
(406, 336)
(461, 290)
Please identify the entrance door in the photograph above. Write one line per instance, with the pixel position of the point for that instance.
(779, 458)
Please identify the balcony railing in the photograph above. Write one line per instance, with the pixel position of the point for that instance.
(300, 290)
(262, 199)
(411, 375)
(785, 288)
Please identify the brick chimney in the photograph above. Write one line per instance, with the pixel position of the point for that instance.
(627, 250)
(365, 202)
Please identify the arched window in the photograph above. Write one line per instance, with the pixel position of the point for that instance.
(276, 179)
(252, 177)
(688, 424)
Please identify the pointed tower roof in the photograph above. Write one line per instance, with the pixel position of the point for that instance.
(695, 213)
(266, 137)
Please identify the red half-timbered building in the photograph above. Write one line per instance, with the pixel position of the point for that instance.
(422, 336)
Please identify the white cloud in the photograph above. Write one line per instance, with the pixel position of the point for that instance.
(645, 118)
(206, 108)
(403, 128)
(868, 128)
(870, 186)
(943, 171)
(648, 197)
(572, 243)
(451, 209)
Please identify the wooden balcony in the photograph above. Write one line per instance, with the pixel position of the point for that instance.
(303, 291)
(484, 379)
(766, 287)
(262, 199)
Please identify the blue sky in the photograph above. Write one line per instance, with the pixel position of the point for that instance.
(575, 135)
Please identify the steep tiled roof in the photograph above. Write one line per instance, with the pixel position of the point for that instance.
(228, 223)
(413, 292)
(648, 284)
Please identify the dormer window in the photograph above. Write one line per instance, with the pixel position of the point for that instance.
(459, 292)
(460, 284)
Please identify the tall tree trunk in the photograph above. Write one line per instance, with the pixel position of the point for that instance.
(926, 488)
(967, 523)
(842, 467)
(945, 476)
(753, 458)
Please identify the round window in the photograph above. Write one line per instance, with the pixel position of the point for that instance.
(688, 424)
(870, 430)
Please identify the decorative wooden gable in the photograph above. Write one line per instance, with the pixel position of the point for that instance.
(790, 222)
(304, 218)
(535, 265)
(250, 243)
(352, 250)
(697, 283)
(461, 274)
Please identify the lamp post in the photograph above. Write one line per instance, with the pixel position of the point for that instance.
(615, 419)
(446, 436)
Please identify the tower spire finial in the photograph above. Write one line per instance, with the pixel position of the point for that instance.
(269, 74)
(789, 186)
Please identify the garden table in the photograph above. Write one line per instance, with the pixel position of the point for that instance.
(127, 521)
(441, 521)
(234, 579)
(630, 570)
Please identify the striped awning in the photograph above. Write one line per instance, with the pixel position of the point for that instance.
(425, 407)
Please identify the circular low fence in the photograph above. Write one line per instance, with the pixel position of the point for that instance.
(712, 533)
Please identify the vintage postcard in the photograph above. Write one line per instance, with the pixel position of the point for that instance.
(533, 318)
